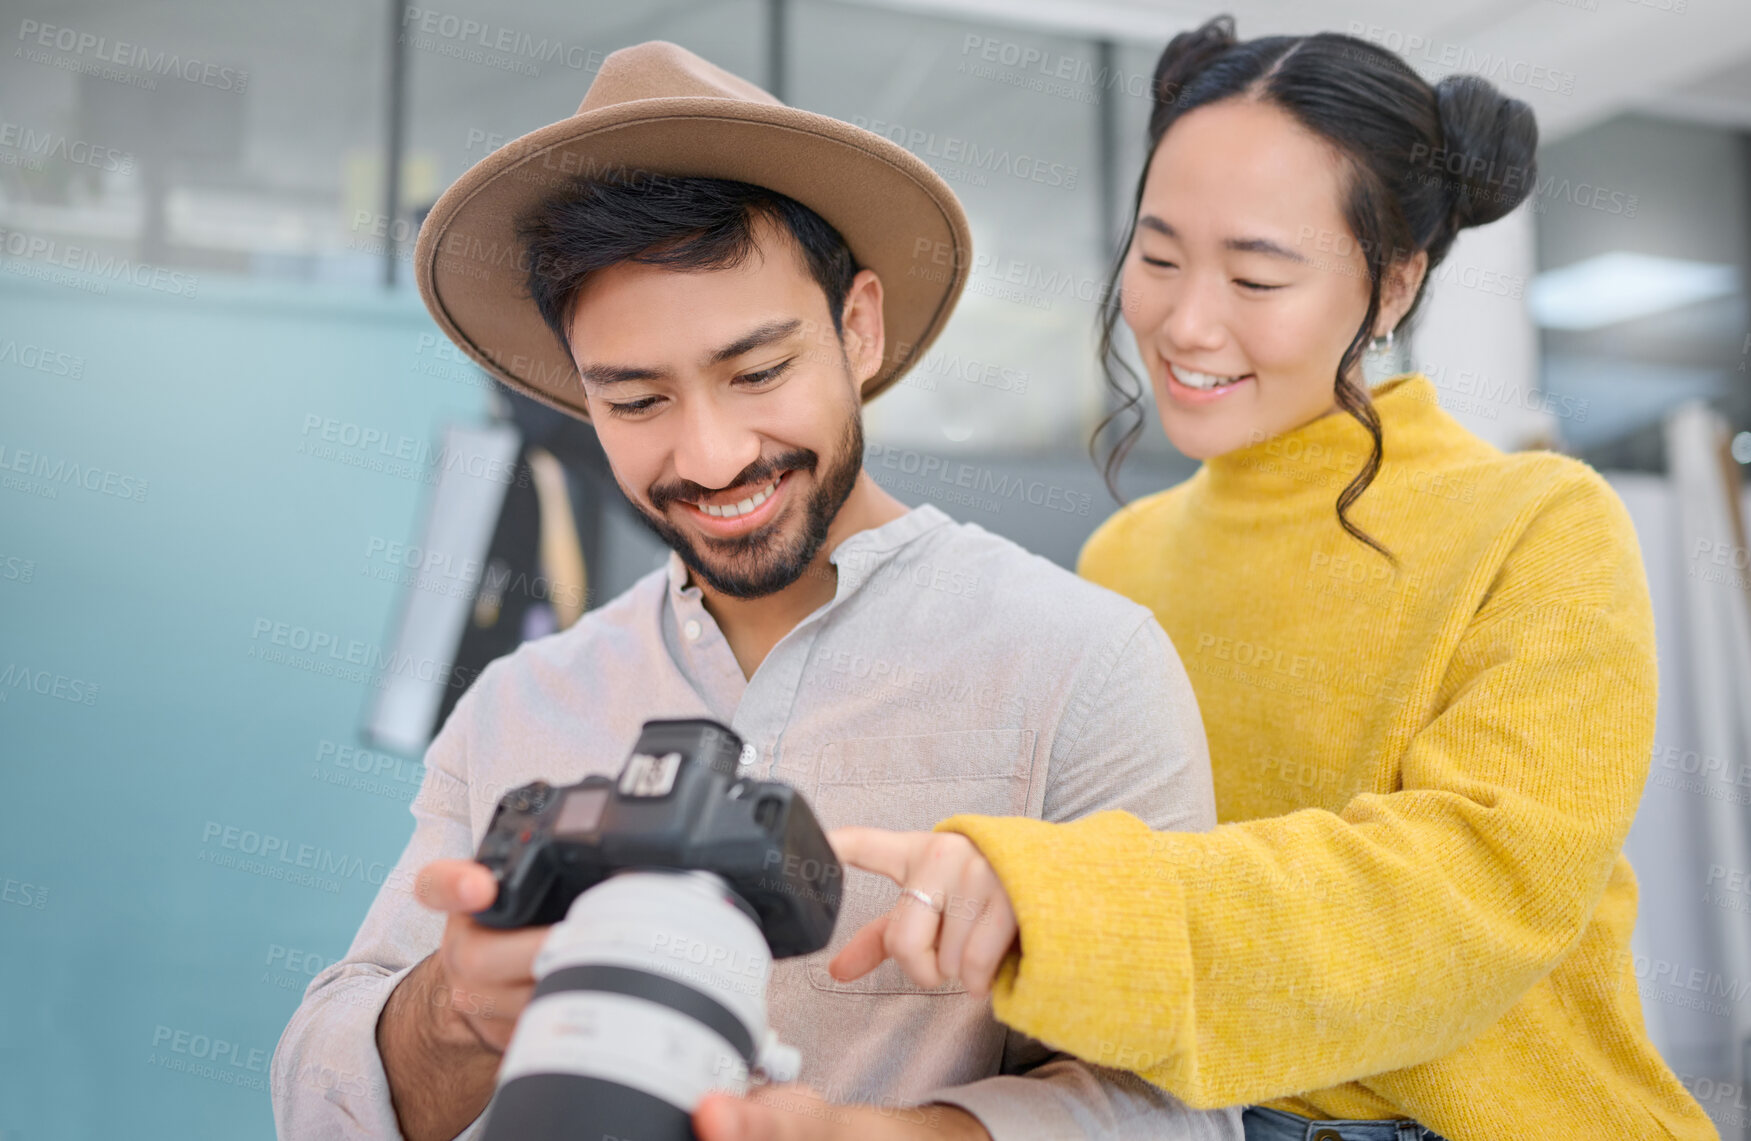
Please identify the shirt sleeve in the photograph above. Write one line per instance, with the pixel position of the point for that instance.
(327, 1078)
(1298, 952)
(1139, 746)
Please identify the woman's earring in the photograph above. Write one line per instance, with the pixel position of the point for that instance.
(1382, 344)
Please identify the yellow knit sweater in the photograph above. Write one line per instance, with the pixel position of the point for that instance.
(1416, 903)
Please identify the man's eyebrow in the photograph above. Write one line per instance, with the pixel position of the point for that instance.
(611, 373)
(753, 339)
(1238, 245)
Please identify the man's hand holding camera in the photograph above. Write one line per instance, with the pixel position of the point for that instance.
(444, 1028)
(494, 968)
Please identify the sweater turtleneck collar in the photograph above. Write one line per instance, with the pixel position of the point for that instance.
(1321, 456)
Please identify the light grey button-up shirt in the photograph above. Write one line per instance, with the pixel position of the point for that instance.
(952, 671)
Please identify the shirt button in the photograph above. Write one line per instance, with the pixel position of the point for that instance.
(691, 630)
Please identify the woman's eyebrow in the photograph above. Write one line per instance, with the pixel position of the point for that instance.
(1238, 245)
(1263, 246)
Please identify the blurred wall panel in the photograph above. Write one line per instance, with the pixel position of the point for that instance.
(206, 511)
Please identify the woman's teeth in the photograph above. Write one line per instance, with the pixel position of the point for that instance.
(732, 510)
(1203, 380)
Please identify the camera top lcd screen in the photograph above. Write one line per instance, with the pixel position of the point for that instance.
(581, 812)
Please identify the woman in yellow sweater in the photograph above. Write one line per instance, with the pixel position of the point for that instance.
(1426, 668)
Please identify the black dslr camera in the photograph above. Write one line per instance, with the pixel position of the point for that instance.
(670, 889)
(677, 804)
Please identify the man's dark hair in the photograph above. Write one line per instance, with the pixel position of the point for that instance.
(681, 223)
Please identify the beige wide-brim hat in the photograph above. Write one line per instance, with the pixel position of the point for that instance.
(657, 110)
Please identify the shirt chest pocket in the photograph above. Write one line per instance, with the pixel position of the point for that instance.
(908, 784)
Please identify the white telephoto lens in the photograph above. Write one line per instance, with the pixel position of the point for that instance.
(650, 994)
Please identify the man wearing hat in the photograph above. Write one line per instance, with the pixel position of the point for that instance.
(716, 281)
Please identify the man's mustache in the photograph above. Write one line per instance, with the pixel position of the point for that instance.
(760, 471)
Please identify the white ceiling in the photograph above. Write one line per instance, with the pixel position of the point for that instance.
(1623, 55)
(1722, 98)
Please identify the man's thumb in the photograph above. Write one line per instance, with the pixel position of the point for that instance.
(723, 1118)
(770, 1113)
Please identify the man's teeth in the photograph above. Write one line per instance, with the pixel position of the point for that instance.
(1204, 380)
(732, 510)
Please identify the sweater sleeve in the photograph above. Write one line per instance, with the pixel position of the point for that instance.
(1283, 954)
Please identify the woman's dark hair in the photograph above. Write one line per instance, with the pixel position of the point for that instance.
(684, 223)
(1422, 163)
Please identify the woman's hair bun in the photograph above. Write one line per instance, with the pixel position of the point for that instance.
(1488, 158)
(1187, 53)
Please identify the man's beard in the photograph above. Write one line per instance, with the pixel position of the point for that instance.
(765, 561)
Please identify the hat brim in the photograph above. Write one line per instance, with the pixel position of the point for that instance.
(898, 217)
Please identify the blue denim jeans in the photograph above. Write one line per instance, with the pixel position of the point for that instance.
(1274, 1125)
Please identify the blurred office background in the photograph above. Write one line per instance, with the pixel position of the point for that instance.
(224, 415)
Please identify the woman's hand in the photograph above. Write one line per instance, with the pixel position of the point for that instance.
(963, 933)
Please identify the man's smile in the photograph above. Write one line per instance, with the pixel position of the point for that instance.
(739, 511)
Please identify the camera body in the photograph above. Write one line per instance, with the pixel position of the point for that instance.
(678, 805)
(670, 889)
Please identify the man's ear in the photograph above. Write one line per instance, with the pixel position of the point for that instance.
(864, 331)
(1399, 289)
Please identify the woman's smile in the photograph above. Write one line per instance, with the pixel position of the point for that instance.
(1189, 386)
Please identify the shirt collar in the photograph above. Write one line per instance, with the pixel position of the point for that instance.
(856, 558)
(678, 587)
